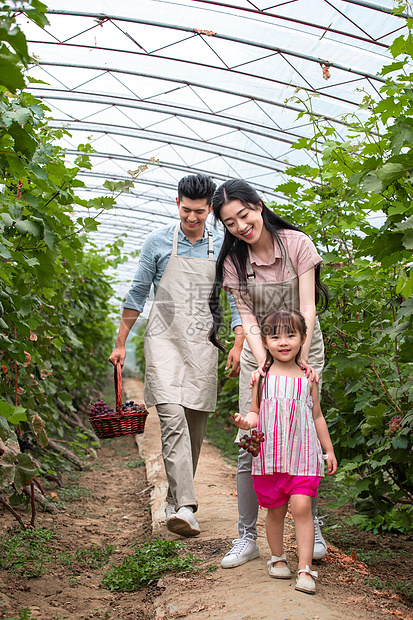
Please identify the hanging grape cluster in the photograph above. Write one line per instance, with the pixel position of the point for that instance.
(252, 443)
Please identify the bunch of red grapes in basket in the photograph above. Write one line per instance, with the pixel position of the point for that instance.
(102, 409)
(252, 443)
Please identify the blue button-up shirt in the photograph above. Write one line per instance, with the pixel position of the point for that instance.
(154, 256)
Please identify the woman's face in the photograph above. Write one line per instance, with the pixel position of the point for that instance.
(243, 222)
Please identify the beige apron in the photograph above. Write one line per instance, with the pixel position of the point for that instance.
(180, 362)
(266, 297)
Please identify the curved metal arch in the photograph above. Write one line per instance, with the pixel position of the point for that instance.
(186, 82)
(170, 165)
(333, 95)
(147, 181)
(191, 143)
(378, 7)
(225, 37)
(300, 22)
(215, 118)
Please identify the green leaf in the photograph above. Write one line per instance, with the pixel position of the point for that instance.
(90, 224)
(371, 183)
(5, 429)
(400, 443)
(390, 172)
(406, 224)
(7, 468)
(25, 470)
(11, 76)
(17, 115)
(4, 251)
(26, 227)
(13, 414)
(408, 240)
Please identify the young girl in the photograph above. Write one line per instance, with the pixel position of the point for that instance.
(286, 408)
(267, 264)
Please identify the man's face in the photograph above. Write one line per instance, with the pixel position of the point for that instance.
(193, 214)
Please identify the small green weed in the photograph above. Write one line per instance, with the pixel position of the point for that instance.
(404, 589)
(25, 552)
(148, 562)
(372, 556)
(25, 614)
(135, 463)
(93, 557)
(67, 494)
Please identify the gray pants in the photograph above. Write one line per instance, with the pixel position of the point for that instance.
(247, 499)
(182, 433)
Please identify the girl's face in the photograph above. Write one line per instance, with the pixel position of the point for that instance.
(285, 345)
(243, 222)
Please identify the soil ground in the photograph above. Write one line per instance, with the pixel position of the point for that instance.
(120, 502)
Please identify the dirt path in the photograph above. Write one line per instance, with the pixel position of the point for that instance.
(120, 502)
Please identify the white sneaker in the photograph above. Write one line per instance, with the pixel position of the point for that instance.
(243, 550)
(320, 545)
(169, 511)
(183, 522)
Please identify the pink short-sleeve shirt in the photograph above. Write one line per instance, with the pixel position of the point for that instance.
(301, 250)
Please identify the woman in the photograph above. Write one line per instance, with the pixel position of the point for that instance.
(266, 263)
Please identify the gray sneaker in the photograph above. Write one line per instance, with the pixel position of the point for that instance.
(320, 545)
(183, 522)
(243, 550)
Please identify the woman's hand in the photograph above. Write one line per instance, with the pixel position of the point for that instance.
(256, 374)
(242, 422)
(310, 373)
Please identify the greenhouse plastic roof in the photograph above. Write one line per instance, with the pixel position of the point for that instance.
(201, 86)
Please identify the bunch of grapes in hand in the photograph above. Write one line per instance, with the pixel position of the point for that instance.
(252, 443)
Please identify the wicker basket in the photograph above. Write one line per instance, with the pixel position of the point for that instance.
(119, 423)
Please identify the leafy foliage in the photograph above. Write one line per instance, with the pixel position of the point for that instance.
(367, 382)
(148, 562)
(55, 327)
(26, 552)
(355, 204)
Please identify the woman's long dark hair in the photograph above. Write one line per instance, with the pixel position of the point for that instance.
(237, 249)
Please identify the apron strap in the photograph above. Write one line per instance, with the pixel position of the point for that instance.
(175, 241)
(210, 242)
(288, 264)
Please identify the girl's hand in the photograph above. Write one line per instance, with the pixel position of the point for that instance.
(310, 373)
(331, 463)
(242, 422)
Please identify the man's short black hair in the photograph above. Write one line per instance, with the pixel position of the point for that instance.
(195, 186)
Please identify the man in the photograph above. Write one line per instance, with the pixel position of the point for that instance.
(180, 362)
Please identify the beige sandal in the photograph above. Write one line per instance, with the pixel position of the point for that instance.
(306, 585)
(279, 572)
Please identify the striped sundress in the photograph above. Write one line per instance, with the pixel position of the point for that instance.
(290, 443)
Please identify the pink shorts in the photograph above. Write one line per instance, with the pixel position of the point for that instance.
(275, 490)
